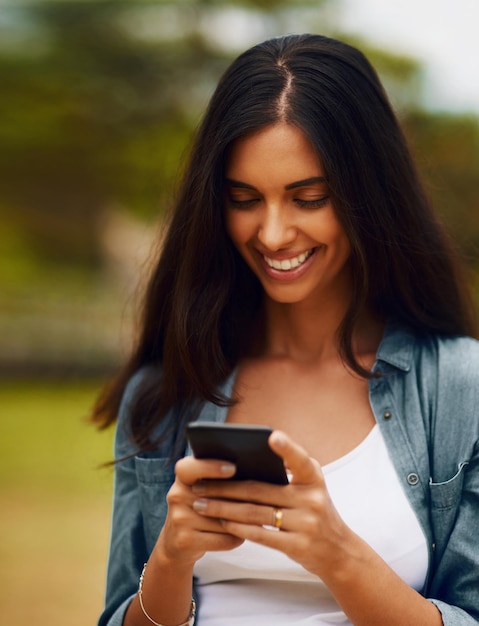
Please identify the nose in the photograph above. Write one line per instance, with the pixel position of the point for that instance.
(276, 229)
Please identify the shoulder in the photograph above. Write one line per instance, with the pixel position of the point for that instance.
(449, 366)
(451, 374)
(456, 357)
(442, 370)
(405, 349)
(458, 347)
(458, 377)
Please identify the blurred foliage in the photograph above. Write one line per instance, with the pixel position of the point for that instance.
(97, 108)
(447, 151)
(99, 102)
(401, 75)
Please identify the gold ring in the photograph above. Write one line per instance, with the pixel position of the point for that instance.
(277, 518)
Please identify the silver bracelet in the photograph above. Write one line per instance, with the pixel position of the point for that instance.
(189, 622)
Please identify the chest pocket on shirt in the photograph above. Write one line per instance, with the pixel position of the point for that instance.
(446, 495)
(155, 477)
(445, 498)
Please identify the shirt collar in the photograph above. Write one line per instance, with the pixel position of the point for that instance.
(396, 347)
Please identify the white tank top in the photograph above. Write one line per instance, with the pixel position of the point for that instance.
(257, 585)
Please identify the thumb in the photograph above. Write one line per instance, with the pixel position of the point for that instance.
(305, 469)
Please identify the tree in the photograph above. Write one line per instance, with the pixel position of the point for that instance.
(447, 149)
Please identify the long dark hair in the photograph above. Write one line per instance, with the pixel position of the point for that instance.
(202, 302)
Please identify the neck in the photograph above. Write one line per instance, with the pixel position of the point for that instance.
(309, 334)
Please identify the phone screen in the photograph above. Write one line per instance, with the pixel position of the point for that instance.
(244, 445)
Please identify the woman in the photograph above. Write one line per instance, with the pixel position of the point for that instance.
(306, 284)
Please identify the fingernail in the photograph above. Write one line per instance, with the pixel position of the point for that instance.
(228, 468)
(200, 505)
(279, 439)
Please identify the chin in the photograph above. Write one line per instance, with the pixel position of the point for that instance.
(283, 297)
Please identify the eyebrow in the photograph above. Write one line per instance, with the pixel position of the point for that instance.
(299, 183)
(307, 181)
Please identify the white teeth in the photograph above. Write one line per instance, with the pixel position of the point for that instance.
(288, 264)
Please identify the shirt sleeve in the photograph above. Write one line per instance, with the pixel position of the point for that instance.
(127, 552)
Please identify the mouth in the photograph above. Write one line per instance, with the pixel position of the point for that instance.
(285, 265)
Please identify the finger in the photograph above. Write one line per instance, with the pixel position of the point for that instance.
(215, 542)
(243, 491)
(265, 535)
(190, 470)
(186, 543)
(304, 469)
(242, 513)
(187, 534)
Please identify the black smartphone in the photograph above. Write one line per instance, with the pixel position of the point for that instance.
(244, 445)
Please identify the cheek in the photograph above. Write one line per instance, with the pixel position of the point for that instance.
(345, 249)
(342, 238)
(238, 228)
(337, 236)
(342, 243)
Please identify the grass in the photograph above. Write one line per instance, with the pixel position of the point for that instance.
(55, 504)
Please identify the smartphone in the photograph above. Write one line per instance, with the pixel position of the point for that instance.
(244, 445)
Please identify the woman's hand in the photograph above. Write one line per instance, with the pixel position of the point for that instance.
(312, 532)
(187, 535)
(207, 513)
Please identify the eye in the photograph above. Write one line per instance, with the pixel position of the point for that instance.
(242, 204)
(317, 203)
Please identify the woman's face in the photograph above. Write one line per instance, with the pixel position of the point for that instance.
(281, 219)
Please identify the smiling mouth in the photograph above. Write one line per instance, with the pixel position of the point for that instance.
(288, 264)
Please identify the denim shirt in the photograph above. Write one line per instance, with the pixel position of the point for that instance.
(426, 403)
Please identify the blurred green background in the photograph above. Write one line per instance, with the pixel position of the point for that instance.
(98, 102)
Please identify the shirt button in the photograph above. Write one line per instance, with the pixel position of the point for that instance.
(412, 478)
(387, 415)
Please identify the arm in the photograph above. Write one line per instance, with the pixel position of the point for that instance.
(166, 591)
(185, 537)
(128, 550)
(133, 521)
(128, 553)
(169, 538)
(127, 547)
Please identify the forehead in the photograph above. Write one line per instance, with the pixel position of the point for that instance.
(271, 152)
